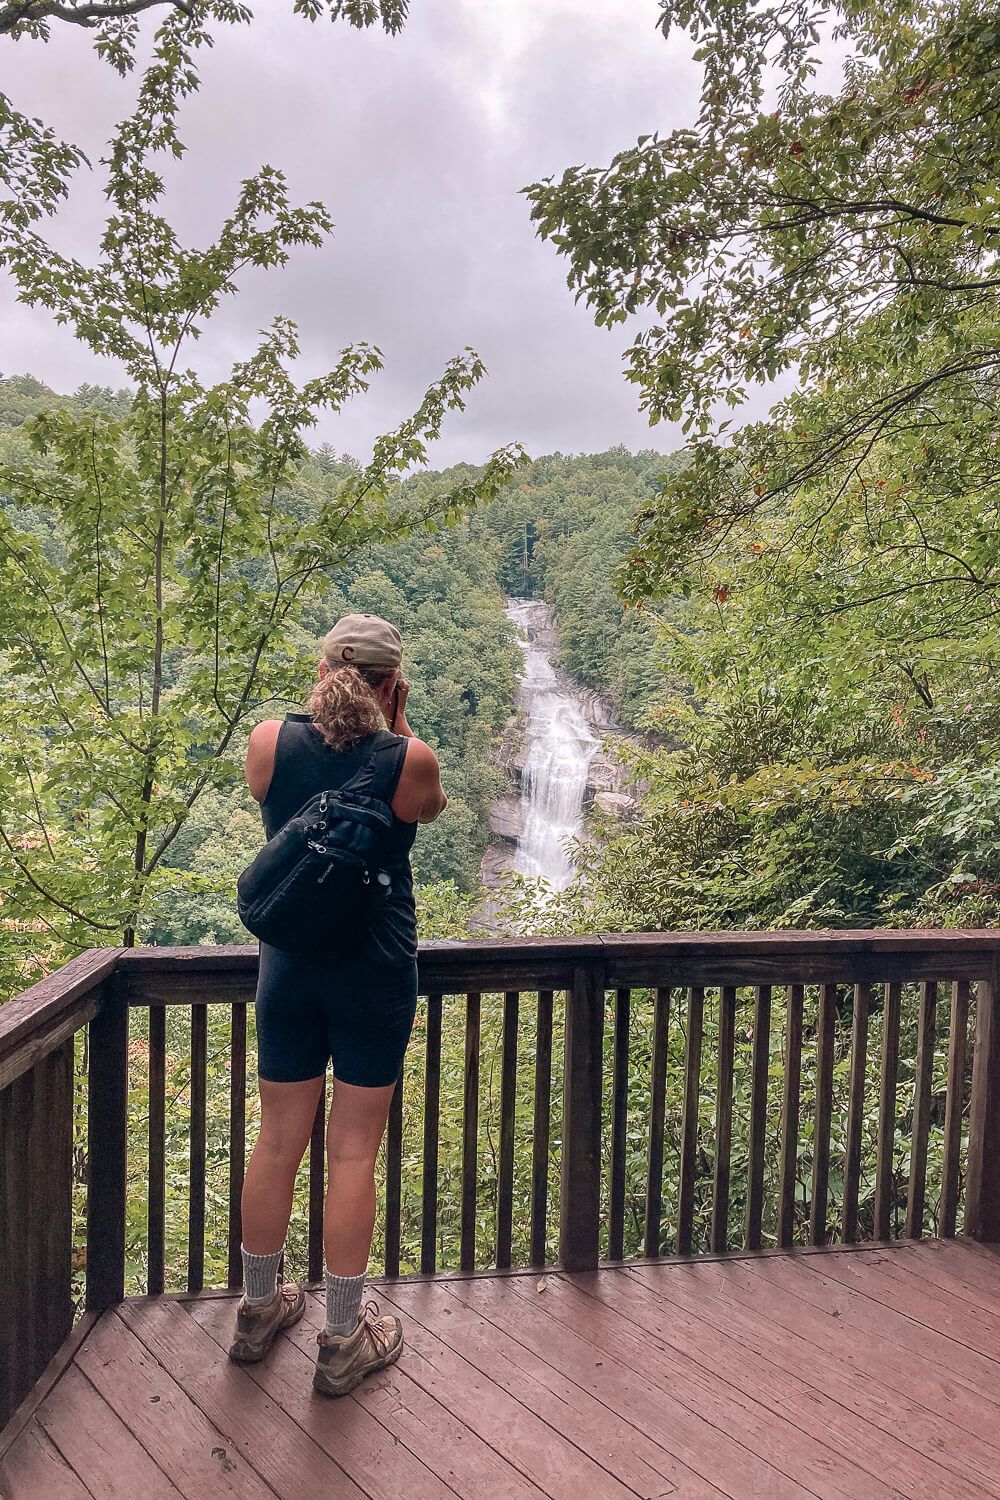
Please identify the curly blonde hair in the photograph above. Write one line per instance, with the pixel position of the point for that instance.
(344, 706)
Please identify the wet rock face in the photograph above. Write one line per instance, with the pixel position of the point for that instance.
(606, 775)
(497, 861)
(510, 754)
(616, 805)
(507, 819)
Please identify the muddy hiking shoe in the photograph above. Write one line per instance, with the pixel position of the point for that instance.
(257, 1326)
(345, 1359)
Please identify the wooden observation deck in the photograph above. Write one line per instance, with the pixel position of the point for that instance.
(693, 1215)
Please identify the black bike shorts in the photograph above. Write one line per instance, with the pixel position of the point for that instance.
(310, 1009)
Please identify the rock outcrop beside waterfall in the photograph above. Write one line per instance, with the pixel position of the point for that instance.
(607, 777)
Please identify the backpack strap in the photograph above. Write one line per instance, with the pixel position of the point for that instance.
(379, 776)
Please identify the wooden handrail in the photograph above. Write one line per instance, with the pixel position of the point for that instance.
(44, 1015)
(164, 975)
(38, 1021)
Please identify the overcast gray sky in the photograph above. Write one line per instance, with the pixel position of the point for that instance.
(419, 145)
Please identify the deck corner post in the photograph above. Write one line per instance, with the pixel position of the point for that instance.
(107, 1122)
(580, 1178)
(982, 1212)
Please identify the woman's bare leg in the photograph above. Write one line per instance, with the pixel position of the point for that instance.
(287, 1112)
(354, 1132)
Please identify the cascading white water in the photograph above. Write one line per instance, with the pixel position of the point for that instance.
(559, 746)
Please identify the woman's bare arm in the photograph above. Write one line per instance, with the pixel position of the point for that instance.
(259, 765)
(420, 797)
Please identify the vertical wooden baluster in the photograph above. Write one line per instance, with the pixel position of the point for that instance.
(508, 1099)
(107, 1174)
(689, 1128)
(657, 1113)
(54, 1246)
(926, 1037)
(723, 1120)
(855, 1113)
(470, 1134)
(237, 1136)
(957, 1043)
(317, 1188)
(18, 1107)
(761, 1056)
(156, 1190)
(583, 1093)
(36, 1160)
(540, 1127)
(619, 1126)
(393, 1179)
(887, 1110)
(196, 1189)
(824, 1111)
(982, 1188)
(432, 1109)
(790, 1117)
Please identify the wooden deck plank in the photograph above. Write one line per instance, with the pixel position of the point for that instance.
(34, 1469)
(561, 1470)
(453, 1448)
(865, 1460)
(476, 1332)
(945, 1270)
(847, 1375)
(284, 1453)
(796, 1305)
(984, 1251)
(175, 1433)
(638, 1339)
(584, 1416)
(629, 1389)
(923, 1452)
(392, 1411)
(877, 1322)
(97, 1445)
(967, 1328)
(955, 1266)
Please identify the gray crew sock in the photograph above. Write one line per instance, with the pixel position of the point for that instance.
(343, 1302)
(260, 1276)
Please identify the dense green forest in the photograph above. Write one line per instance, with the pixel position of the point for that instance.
(551, 535)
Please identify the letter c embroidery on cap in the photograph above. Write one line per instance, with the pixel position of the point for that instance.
(346, 652)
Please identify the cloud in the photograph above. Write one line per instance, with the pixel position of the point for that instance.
(419, 145)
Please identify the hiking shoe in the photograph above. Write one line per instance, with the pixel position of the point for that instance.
(345, 1359)
(257, 1326)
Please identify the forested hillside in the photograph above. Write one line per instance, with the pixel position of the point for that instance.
(861, 794)
(440, 588)
(566, 526)
(556, 533)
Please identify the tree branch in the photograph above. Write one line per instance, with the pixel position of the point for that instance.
(34, 12)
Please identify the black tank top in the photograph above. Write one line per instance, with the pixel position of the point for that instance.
(305, 765)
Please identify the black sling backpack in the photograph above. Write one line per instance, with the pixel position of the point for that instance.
(319, 877)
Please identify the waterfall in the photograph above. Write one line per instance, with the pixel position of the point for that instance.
(558, 748)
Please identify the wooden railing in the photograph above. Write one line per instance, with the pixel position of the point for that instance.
(658, 1094)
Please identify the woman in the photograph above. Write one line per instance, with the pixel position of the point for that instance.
(354, 1004)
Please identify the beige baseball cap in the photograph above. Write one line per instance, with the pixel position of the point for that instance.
(363, 641)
